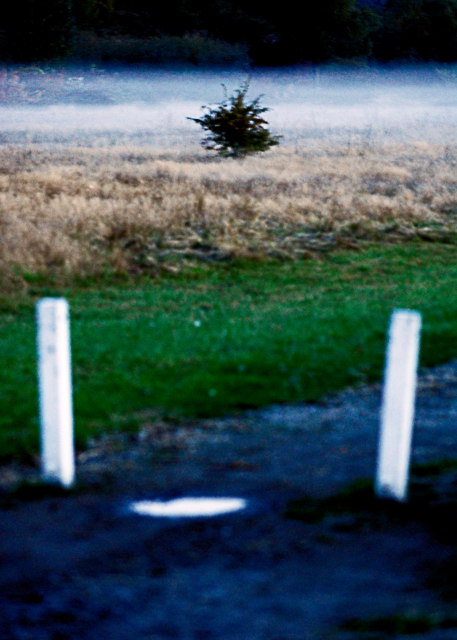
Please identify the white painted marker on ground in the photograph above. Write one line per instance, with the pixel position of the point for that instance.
(55, 391)
(188, 507)
(397, 412)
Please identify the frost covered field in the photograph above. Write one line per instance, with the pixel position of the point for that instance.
(104, 171)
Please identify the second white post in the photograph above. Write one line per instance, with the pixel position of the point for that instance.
(397, 412)
(55, 390)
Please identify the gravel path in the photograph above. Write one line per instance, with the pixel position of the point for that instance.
(83, 566)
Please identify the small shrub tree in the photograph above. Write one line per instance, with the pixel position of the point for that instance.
(235, 127)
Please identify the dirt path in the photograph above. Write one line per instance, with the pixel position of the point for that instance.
(82, 566)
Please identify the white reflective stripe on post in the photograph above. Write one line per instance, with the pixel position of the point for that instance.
(55, 391)
(397, 412)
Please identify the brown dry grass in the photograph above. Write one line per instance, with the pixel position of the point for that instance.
(89, 211)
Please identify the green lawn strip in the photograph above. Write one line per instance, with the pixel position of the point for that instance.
(219, 338)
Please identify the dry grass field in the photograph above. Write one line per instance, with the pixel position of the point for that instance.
(94, 210)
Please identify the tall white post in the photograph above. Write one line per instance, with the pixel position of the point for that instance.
(55, 391)
(397, 412)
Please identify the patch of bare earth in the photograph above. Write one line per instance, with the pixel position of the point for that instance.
(82, 565)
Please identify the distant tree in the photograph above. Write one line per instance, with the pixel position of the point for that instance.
(421, 30)
(235, 127)
(92, 14)
(37, 29)
(328, 29)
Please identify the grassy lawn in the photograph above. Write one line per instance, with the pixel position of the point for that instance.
(217, 339)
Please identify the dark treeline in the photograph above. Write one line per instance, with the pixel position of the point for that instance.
(229, 30)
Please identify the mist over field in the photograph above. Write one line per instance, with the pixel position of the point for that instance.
(151, 106)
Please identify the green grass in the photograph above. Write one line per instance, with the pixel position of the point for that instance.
(219, 338)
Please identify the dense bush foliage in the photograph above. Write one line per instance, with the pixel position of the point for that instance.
(236, 127)
(330, 29)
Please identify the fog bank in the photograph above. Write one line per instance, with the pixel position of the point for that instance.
(151, 106)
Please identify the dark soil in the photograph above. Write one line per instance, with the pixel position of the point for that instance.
(81, 566)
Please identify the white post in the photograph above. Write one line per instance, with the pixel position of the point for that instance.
(397, 412)
(55, 391)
